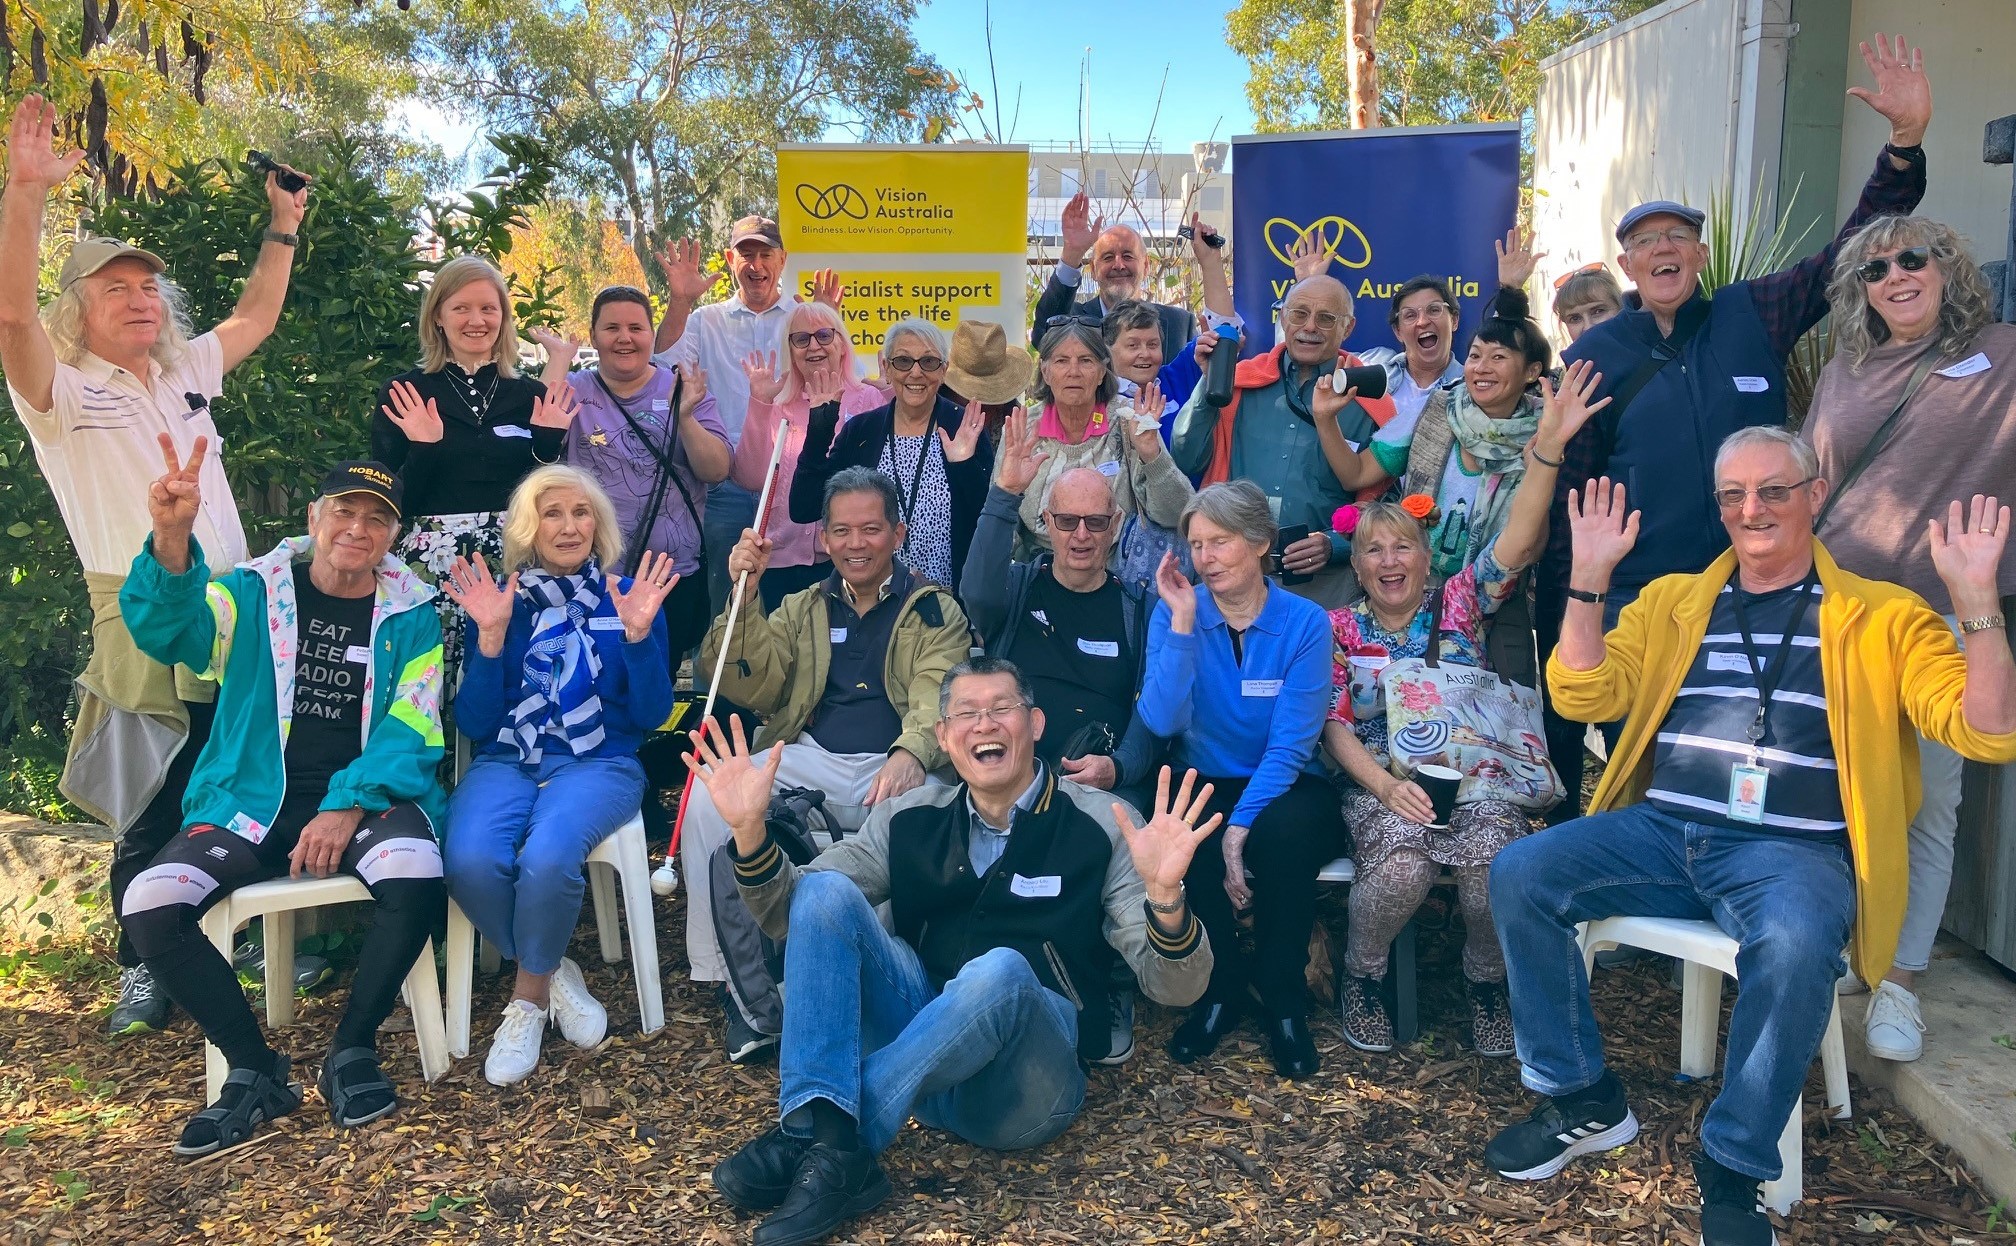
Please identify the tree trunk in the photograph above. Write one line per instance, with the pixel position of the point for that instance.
(1361, 21)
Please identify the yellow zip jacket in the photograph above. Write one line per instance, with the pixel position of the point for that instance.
(1891, 670)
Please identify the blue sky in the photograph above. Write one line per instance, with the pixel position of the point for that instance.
(1038, 45)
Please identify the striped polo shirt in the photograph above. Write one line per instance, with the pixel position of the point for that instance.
(1704, 734)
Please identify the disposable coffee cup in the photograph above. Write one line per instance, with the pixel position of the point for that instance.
(1441, 784)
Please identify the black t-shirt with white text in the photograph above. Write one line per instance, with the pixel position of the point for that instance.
(333, 638)
(1073, 647)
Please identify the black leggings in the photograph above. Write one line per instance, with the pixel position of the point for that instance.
(395, 855)
(1293, 838)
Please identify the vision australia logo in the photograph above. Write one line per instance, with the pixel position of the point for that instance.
(839, 199)
(1329, 234)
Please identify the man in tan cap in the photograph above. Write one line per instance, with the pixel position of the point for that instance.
(96, 377)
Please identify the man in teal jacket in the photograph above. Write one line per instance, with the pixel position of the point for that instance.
(328, 731)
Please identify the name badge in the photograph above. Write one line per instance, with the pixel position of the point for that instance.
(836, 635)
(1110, 469)
(1977, 362)
(661, 404)
(1747, 785)
(510, 430)
(1099, 648)
(1259, 687)
(605, 623)
(1751, 384)
(1737, 662)
(357, 653)
(1037, 888)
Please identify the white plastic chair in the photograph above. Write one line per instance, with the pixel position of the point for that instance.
(620, 864)
(277, 902)
(1705, 955)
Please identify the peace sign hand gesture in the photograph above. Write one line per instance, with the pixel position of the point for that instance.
(960, 447)
(761, 369)
(1966, 552)
(174, 500)
(1903, 93)
(487, 603)
(420, 421)
(1566, 410)
(1020, 454)
(1163, 846)
(639, 607)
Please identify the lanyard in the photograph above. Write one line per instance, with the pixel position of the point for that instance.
(1768, 678)
(909, 504)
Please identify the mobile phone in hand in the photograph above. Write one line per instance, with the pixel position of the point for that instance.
(1282, 540)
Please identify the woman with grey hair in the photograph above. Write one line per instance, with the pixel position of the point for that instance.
(1238, 681)
(941, 479)
(1917, 407)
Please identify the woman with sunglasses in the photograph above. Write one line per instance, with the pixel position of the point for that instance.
(818, 362)
(920, 439)
(1913, 336)
(1080, 425)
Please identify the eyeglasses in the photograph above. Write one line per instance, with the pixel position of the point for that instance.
(1678, 235)
(992, 714)
(1769, 495)
(1296, 317)
(1090, 322)
(903, 363)
(822, 336)
(1567, 277)
(1911, 260)
(1069, 523)
(1437, 310)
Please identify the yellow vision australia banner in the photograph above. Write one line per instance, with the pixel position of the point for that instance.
(939, 233)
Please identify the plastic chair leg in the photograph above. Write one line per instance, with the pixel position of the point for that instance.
(488, 958)
(460, 952)
(279, 935)
(1407, 1002)
(637, 916)
(1788, 1189)
(1834, 1067)
(1700, 1015)
(423, 1000)
(602, 888)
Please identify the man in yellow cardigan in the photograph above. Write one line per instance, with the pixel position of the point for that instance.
(1766, 774)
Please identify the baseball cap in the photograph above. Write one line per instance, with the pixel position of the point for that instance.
(363, 476)
(92, 254)
(1660, 207)
(755, 228)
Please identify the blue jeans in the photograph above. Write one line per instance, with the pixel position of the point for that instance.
(992, 1058)
(1788, 902)
(519, 838)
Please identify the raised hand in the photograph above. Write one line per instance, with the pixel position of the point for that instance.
(556, 408)
(693, 390)
(639, 607)
(1021, 453)
(1516, 257)
(827, 288)
(764, 381)
(683, 264)
(1176, 593)
(960, 447)
(750, 556)
(1162, 847)
(824, 384)
(1967, 550)
(1207, 341)
(555, 345)
(1147, 434)
(288, 206)
(174, 500)
(1202, 251)
(739, 787)
(1079, 230)
(1602, 526)
(1307, 257)
(1563, 412)
(32, 158)
(487, 603)
(1903, 93)
(420, 421)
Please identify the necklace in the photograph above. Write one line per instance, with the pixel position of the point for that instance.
(464, 386)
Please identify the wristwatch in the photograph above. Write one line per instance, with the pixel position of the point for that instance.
(285, 240)
(1986, 623)
(1576, 594)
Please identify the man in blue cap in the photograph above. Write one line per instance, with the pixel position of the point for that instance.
(1683, 371)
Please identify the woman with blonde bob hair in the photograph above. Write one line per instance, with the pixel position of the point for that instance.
(565, 675)
(1917, 407)
(463, 428)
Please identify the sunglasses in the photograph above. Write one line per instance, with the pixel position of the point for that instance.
(1769, 495)
(1090, 322)
(822, 336)
(903, 363)
(1910, 259)
(1567, 277)
(1069, 523)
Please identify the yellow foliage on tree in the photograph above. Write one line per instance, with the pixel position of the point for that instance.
(581, 250)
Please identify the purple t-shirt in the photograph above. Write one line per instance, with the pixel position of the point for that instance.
(621, 456)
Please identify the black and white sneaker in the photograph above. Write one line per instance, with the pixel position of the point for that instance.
(1120, 1021)
(1732, 1207)
(1586, 1122)
(143, 1005)
(746, 1044)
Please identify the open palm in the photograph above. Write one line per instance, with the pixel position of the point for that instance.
(1967, 549)
(1602, 526)
(638, 606)
(1162, 847)
(487, 603)
(739, 787)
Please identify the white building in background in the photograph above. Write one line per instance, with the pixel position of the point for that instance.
(1695, 97)
(1138, 185)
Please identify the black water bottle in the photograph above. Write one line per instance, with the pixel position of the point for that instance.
(1218, 368)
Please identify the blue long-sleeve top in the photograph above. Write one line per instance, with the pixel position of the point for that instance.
(635, 684)
(1256, 718)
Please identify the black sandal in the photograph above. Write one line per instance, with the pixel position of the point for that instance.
(249, 1099)
(340, 1094)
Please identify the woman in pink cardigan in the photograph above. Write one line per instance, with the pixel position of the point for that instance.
(817, 357)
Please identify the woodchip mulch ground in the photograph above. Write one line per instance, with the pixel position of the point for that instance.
(615, 1145)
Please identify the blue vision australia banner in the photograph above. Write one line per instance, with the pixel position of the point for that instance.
(1388, 205)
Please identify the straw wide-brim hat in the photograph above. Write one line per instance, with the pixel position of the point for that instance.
(984, 368)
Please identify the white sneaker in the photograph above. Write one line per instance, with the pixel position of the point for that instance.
(514, 1050)
(580, 1016)
(1894, 1030)
(1849, 984)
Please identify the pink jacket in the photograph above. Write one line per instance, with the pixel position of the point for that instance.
(792, 544)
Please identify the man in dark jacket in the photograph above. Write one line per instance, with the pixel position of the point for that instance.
(1119, 262)
(1010, 895)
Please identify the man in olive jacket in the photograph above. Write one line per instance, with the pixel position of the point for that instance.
(846, 676)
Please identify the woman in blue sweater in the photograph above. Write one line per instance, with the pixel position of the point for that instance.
(1239, 680)
(564, 675)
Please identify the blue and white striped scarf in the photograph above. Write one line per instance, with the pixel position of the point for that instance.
(560, 707)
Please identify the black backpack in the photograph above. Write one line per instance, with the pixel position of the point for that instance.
(755, 960)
